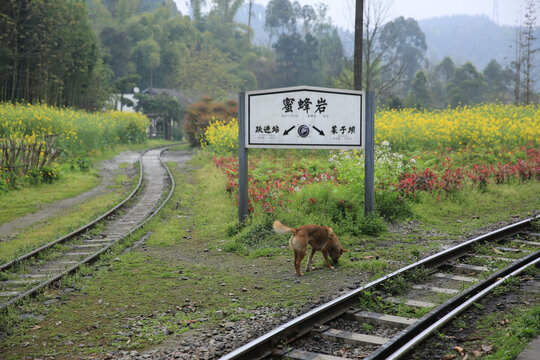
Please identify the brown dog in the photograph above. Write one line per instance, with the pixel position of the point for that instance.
(319, 237)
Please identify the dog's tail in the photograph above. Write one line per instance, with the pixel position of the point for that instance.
(281, 228)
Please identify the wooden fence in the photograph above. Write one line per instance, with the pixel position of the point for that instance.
(20, 156)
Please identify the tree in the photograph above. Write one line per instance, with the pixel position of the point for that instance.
(99, 16)
(438, 79)
(250, 12)
(402, 47)
(528, 50)
(498, 82)
(466, 87)
(163, 104)
(115, 44)
(49, 53)
(146, 55)
(280, 18)
(419, 95)
(125, 84)
(358, 38)
(228, 36)
(196, 10)
(288, 52)
(209, 71)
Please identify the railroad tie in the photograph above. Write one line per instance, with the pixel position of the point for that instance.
(354, 338)
(373, 318)
(410, 302)
(507, 249)
(497, 258)
(455, 277)
(526, 242)
(466, 268)
(436, 289)
(306, 355)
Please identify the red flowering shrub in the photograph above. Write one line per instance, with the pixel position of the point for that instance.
(269, 194)
(272, 192)
(480, 175)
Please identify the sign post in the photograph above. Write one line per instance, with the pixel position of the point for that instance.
(369, 155)
(302, 117)
(242, 161)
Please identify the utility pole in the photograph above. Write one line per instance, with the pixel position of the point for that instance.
(358, 38)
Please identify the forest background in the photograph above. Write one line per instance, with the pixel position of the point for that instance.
(78, 53)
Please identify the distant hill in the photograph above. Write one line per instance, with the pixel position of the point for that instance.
(258, 13)
(464, 38)
(474, 39)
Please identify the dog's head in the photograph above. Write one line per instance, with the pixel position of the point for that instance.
(335, 250)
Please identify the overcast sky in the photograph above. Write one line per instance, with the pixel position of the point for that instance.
(342, 11)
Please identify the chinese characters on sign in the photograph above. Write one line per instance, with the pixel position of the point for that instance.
(304, 117)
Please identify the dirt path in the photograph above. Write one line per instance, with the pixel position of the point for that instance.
(107, 172)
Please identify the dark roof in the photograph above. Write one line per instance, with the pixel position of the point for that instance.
(183, 98)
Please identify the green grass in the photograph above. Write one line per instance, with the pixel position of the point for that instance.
(18, 203)
(200, 283)
(474, 209)
(62, 223)
(28, 199)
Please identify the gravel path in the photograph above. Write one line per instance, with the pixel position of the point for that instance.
(108, 170)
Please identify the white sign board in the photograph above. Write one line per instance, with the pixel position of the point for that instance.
(305, 117)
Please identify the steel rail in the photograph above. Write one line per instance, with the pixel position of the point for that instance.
(94, 256)
(265, 344)
(436, 318)
(82, 228)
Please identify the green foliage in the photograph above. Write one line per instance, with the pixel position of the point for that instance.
(162, 104)
(391, 206)
(83, 164)
(200, 114)
(466, 86)
(388, 165)
(372, 225)
(50, 54)
(47, 174)
(330, 204)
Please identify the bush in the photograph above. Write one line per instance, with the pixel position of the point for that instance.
(47, 174)
(199, 115)
(50, 173)
(221, 138)
(372, 224)
(79, 133)
(391, 206)
(260, 234)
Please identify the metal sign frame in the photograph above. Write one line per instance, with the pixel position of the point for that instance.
(305, 117)
(368, 140)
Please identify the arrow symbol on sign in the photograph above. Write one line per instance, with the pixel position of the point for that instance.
(319, 131)
(286, 132)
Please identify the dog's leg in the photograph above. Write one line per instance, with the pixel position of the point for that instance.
(298, 257)
(325, 254)
(310, 258)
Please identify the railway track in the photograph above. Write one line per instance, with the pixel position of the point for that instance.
(34, 271)
(386, 318)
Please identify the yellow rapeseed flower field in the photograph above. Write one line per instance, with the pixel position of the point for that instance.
(221, 137)
(79, 132)
(483, 126)
(488, 126)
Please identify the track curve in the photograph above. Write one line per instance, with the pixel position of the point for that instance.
(79, 247)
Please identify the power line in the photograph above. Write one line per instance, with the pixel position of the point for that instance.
(495, 16)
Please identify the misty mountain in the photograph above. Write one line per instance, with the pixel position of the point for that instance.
(474, 39)
(258, 12)
(464, 38)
